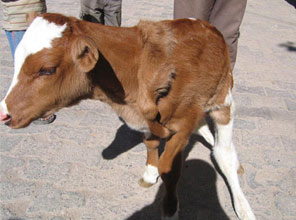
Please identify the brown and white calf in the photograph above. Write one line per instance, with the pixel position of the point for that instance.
(162, 78)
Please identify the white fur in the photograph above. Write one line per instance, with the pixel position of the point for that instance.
(228, 100)
(38, 36)
(204, 131)
(3, 108)
(226, 157)
(151, 174)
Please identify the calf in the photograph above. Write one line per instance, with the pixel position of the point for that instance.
(162, 78)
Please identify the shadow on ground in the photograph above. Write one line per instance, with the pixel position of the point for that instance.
(292, 2)
(15, 219)
(198, 197)
(290, 46)
(124, 140)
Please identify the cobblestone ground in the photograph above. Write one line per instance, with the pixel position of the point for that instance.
(86, 165)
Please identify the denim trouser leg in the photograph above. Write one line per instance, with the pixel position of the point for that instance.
(14, 37)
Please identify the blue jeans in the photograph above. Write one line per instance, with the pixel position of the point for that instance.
(14, 37)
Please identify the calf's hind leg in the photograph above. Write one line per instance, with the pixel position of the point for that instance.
(226, 158)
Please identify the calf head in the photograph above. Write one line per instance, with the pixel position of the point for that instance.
(50, 69)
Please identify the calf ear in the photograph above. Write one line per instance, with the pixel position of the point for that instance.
(85, 52)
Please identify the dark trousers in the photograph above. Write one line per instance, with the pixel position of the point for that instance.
(226, 15)
(106, 12)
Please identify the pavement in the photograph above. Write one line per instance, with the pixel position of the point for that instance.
(86, 165)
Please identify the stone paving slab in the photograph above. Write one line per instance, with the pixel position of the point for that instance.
(85, 166)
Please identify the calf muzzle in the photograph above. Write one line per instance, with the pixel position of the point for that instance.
(5, 118)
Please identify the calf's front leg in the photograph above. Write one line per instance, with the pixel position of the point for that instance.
(151, 175)
(170, 167)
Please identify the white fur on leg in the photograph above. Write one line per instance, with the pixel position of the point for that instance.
(205, 132)
(226, 157)
(228, 163)
(151, 174)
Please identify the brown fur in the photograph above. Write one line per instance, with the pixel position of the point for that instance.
(166, 75)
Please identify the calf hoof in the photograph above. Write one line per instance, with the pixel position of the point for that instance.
(150, 176)
(174, 217)
(240, 170)
(145, 184)
(170, 208)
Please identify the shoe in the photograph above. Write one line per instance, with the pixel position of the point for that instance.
(45, 121)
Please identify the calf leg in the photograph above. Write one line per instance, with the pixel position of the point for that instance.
(157, 129)
(170, 204)
(170, 164)
(226, 157)
(151, 170)
(204, 131)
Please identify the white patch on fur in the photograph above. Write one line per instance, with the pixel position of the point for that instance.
(38, 36)
(229, 99)
(226, 157)
(151, 174)
(204, 131)
(3, 108)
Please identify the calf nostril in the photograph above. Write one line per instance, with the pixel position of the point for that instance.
(7, 120)
(5, 117)
(7, 123)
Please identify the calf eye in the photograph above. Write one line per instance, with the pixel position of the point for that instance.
(47, 71)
